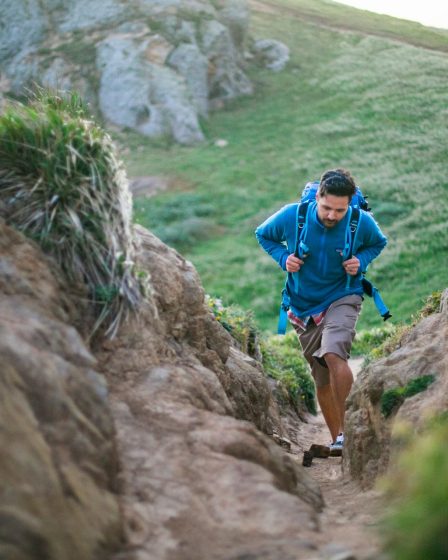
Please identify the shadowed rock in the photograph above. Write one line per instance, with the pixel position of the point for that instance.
(370, 435)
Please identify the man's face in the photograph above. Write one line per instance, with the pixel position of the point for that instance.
(331, 209)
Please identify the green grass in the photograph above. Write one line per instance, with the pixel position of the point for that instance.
(374, 105)
(283, 361)
(415, 520)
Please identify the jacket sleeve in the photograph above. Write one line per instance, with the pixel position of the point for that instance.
(271, 235)
(373, 242)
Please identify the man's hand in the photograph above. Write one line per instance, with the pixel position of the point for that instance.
(293, 263)
(351, 266)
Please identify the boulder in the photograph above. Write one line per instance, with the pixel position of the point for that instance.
(235, 15)
(62, 75)
(139, 94)
(270, 53)
(226, 79)
(190, 63)
(21, 70)
(85, 15)
(23, 24)
(154, 66)
(371, 437)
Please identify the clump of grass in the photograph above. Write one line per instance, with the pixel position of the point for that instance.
(432, 305)
(392, 399)
(416, 523)
(62, 185)
(283, 361)
(393, 336)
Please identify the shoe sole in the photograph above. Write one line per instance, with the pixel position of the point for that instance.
(335, 452)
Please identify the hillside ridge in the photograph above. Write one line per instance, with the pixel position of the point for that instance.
(430, 38)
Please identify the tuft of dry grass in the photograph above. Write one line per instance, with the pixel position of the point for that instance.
(62, 185)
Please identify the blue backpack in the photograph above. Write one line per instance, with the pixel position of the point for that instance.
(357, 203)
(358, 199)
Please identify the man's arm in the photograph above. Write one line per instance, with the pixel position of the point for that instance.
(271, 235)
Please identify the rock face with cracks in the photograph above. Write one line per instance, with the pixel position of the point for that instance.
(154, 66)
(371, 437)
(168, 459)
(58, 466)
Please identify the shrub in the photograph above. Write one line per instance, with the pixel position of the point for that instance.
(63, 186)
(416, 524)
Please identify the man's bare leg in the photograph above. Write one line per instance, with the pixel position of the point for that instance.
(341, 381)
(329, 409)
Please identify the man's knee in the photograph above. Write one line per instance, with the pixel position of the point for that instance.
(333, 360)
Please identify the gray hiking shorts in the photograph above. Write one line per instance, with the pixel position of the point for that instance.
(335, 334)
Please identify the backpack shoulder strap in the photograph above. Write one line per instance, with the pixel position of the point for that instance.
(353, 226)
(301, 248)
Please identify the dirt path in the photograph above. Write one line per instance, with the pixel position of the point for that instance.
(349, 518)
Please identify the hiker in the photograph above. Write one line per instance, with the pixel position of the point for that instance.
(324, 292)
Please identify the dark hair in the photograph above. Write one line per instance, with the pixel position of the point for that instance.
(337, 182)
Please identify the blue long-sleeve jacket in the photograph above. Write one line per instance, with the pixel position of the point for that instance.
(322, 278)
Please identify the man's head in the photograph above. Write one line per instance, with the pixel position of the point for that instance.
(333, 197)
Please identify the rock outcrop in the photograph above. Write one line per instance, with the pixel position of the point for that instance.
(272, 54)
(371, 437)
(58, 466)
(171, 455)
(199, 480)
(152, 66)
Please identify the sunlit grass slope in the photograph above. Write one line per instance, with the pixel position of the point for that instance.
(376, 106)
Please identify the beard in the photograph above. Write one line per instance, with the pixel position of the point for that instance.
(330, 223)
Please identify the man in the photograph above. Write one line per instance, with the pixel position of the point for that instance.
(325, 306)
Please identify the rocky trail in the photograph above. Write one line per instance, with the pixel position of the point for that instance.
(173, 459)
(348, 521)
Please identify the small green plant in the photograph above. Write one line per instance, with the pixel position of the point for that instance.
(391, 343)
(392, 399)
(378, 343)
(416, 523)
(239, 323)
(62, 184)
(283, 361)
(432, 305)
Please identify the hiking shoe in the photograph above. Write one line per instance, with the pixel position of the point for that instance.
(337, 446)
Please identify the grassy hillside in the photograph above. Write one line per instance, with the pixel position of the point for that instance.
(374, 105)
